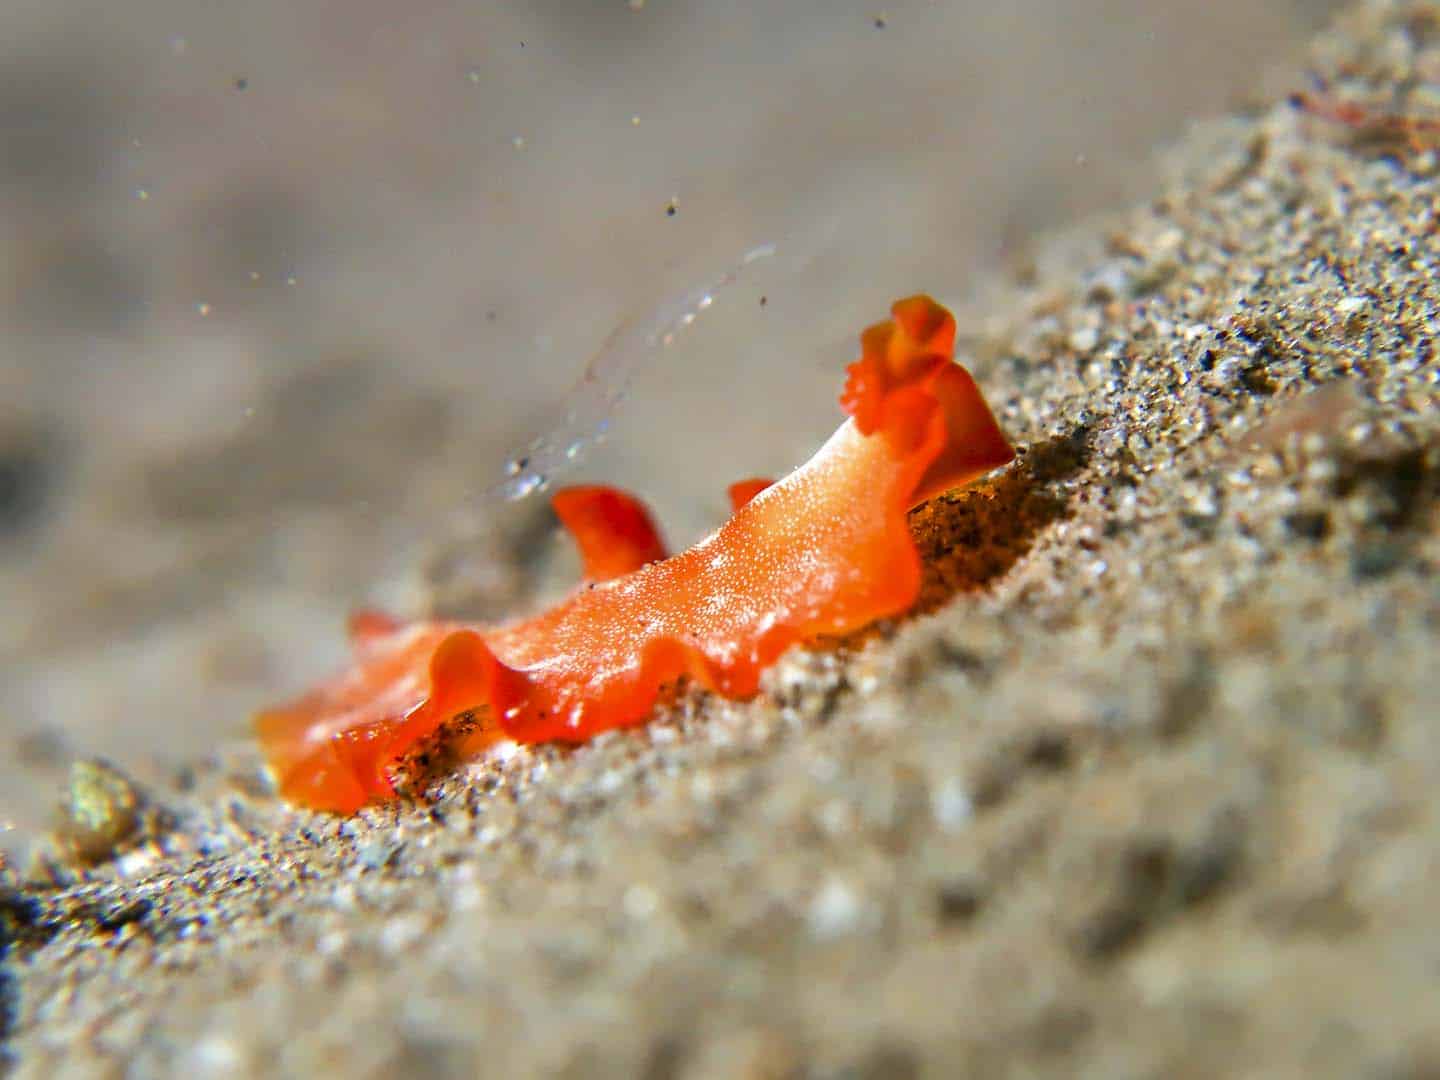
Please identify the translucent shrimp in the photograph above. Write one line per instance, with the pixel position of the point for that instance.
(591, 402)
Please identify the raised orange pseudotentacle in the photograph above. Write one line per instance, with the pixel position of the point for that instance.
(742, 491)
(612, 529)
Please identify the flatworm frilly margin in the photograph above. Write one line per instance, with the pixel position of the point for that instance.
(825, 551)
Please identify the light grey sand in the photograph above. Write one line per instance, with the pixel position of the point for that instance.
(1149, 790)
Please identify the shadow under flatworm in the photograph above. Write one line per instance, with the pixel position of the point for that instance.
(971, 538)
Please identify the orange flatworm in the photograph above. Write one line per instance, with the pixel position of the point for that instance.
(824, 551)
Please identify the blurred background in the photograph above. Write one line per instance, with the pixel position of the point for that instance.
(285, 281)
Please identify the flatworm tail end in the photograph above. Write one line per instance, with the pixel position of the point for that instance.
(332, 749)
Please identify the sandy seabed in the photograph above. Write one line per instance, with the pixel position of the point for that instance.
(1147, 789)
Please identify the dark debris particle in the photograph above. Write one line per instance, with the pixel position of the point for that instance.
(965, 660)
(666, 1059)
(879, 22)
(1376, 560)
(957, 901)
(1203, 524)
(1405, 483)
(887, 1061)
(124, 913)
(671, 209)
(1049, 751)
(9, 991)
(998, 774)
(1308, 524)
(242, 83)
(1060, 1028)
(1257, 380)
(1187, 696)
(1109, 932)
(1154, 877)
(26, 472)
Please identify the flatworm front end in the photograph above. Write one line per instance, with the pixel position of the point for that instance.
(825, 551)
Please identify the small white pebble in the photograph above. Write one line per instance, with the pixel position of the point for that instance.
(467, 896)
(835, 911)
(132, 863)
(834, 817)
(951, 804)
(217, 1055)
(640, 902)
(400, 933)
(343, 898)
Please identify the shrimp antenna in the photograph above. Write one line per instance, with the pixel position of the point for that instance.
(591, 402)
